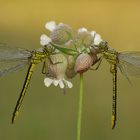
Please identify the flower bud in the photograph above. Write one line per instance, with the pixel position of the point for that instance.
(83, 62)
(61, 34)
(71, 62)
(70, 72)
(70, 44)
(94, 50)
(85, 39)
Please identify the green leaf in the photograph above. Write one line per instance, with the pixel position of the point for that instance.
(65, 50)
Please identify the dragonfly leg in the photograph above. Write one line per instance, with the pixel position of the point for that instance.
(44, 68)
(98, 62)
(53, 62)
(22, 94)
(113, 70)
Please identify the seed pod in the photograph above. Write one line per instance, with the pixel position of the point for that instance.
(83, 63)
(57, 65)
(61, 34)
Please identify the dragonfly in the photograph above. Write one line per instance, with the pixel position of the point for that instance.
(13, 59)
(127, 62)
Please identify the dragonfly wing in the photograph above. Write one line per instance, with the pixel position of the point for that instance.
(8, 53)
(12, 59)
(11, 66)
(129, 63)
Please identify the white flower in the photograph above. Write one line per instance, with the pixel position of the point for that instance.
(82, 30)
(93, 33)
(44, 40)
(61, 82)
(51, 25)
(97, 39)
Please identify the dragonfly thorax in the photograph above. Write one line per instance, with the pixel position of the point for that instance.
(110, 55)
(38, 56)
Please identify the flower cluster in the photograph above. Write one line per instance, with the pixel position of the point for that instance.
(61, 33)
(61, 66)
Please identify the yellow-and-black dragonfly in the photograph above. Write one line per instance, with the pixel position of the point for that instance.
(13, 59)
(127, 62)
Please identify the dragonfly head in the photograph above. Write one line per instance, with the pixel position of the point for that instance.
(48, 49)
(103, 46)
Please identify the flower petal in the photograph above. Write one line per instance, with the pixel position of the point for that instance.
(48, 82)
(55, 82)
(61, 84)
(93, 33)
(44, 40)
(97, 39)
(50, 25)
(69, 84)
(82, 30)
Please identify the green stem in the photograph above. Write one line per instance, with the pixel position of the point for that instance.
(80, 108)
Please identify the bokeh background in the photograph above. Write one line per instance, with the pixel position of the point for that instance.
(46, 112)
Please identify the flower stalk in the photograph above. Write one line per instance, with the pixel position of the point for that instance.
(72, 54)
(80, 108)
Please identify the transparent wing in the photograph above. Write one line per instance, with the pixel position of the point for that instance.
(8, 53)
(129, 63)
(12, 59)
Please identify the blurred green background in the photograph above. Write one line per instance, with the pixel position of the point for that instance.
(47, 113)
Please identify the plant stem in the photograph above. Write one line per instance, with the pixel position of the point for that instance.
(80, 108)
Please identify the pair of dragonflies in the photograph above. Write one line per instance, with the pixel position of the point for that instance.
(13, 59)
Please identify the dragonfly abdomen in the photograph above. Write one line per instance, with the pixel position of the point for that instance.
(36, 58)
(22, 94)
